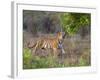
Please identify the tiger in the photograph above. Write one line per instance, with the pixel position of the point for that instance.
(49, 43)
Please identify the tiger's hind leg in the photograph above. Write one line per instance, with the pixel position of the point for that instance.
(33, 51)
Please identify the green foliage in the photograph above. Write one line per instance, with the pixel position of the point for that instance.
(71, 22)
(26, 58)
(85, 58)
(39, 62)
(34, 62)
(49, 22)
(82, 62)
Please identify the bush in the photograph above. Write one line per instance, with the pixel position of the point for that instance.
(26, 58)
(34, 62)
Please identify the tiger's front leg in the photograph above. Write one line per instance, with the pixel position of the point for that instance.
(55, 52)
(60, 46)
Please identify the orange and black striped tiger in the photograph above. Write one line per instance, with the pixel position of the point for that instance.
(49, 43)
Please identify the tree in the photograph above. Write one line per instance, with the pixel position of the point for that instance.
(72, 22)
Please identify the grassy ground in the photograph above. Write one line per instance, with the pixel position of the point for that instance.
(77, 54)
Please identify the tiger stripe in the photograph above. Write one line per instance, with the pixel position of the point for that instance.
(49, 43)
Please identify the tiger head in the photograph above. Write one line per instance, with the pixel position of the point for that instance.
(61, 36)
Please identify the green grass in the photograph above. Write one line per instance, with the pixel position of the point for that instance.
(26, 58)
(34, 62)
